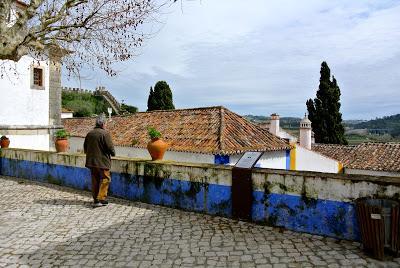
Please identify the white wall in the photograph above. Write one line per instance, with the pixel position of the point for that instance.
(76, 145)
(67, 115)
(34, 142)
(19, 104)
(275, 159)
(311, 161)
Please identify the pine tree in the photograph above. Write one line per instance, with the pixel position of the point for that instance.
(324, 110)
(160, 98)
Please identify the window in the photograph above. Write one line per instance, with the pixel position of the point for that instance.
(38, 77)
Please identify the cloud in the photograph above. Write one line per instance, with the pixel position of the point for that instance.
(264, 57)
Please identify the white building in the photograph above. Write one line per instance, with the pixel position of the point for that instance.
(30, 102)
(375, 159)
(203, 135)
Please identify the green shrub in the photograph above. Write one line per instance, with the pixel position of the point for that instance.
(153, 133)
(61, 134)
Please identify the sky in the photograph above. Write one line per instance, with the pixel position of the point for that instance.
(261, 57)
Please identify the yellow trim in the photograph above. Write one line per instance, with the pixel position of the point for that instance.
(340, 167)
(293, 157)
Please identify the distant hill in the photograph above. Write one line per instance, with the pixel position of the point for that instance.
(285, 122)
(387, 124)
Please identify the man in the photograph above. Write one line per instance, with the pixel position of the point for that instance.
(99, 148)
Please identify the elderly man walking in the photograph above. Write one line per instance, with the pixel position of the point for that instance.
(99, 148)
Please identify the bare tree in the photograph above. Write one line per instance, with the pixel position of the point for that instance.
(93, 32)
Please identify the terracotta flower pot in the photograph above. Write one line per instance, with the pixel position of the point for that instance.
(4, 143)
(157, 148)
(61, 145)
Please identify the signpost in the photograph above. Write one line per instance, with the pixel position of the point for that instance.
(242, 188)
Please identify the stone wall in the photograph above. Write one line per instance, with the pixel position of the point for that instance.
(311, 202)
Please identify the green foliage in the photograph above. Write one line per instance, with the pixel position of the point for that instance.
(324, 110)
(128, 109)
(355, 139)
(388, 124)
(153, 133)
(61, 134)
(160, 98)
(81, 108)
(85, 104)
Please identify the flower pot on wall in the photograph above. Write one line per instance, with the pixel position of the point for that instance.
(5, 142)
(157, 148)
(61, 145)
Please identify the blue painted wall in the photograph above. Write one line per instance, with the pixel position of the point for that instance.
(221, 159)
(287, 159)
(298, 213)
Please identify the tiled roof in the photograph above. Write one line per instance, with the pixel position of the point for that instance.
(341, 153)
(367, 156)
(214, 130)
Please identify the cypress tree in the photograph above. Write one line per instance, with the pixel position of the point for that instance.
(324, 110)
(151, 101)
(160, 98)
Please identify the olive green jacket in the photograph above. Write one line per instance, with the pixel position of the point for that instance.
(98, 148)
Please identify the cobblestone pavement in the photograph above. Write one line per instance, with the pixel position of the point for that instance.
(46, 225)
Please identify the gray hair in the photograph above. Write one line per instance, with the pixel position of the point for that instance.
(100, 120)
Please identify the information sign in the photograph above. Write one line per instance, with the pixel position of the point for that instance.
(248, 159)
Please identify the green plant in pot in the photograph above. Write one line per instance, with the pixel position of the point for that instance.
(156, 145)
(61, 142)
(4, 142)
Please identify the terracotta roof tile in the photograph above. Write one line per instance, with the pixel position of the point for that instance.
(213, 130)
(367, 156)
(341, 153)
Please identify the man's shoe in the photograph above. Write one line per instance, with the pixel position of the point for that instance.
(103, 202)
(97, 204)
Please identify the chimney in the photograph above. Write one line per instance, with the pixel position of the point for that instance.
(274, 124)
(305, 133)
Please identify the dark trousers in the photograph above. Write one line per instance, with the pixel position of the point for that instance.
(101, 179)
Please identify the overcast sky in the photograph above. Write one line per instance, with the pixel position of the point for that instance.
(265, 57)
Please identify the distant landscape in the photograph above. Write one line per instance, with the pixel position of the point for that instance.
(386, 129)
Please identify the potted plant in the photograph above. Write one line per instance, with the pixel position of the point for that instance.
(156, 146)
(61, 140)
(4, 142)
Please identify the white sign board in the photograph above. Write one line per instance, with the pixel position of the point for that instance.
(248, 159)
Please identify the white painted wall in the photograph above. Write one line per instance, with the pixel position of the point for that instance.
(305, 138)
(276, 160)
(67, 115)
(19, 104)
(34, 142)
(311, 161)
(76, 145)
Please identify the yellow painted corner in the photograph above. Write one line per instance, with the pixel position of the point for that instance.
(340, 167)
(293, 158)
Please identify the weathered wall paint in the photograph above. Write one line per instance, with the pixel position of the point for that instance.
(317, 203)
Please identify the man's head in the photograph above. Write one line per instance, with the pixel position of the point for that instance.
(101, 121)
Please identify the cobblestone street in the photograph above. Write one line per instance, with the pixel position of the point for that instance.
(46, 225)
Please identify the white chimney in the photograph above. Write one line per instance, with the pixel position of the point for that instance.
(274, 124)
(305, 133)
